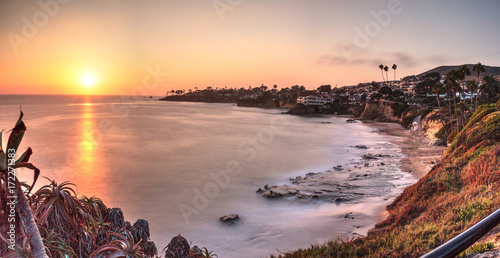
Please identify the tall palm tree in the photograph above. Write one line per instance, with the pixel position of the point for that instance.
(382, 71)
(478, 68)
(449, 83)
(452, 77)
(462, 72)
(394, 67)
(386, 69)
(472, 86)
(490, 87)
(438, 88)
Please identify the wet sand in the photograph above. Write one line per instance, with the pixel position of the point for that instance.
(420, 155)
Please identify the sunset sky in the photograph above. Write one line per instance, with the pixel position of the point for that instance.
(114, 47)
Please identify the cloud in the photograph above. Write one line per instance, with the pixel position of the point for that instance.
(370, 58)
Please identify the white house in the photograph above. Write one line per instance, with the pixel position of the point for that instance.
(314, 101)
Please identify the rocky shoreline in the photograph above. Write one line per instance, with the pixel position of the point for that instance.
(379, 169)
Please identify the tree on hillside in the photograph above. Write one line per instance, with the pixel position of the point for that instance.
(472, 86)
(462, 72)
(478, 68)
(449, 84)
(438, 89)
(490, 87)
(382, 71)
(428, 82)
(325, 88)
(386, 69)
(385, 90)
(394, 67)
(452, 79)
(375, 85)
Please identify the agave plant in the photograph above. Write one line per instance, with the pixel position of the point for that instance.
(140, 232)
(208, 254)
(116, 218)
(57, 208)
(56, 246)
(121, 246)
(10, 186)
(94, 206)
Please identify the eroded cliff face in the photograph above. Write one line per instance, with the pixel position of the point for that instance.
(431, 124)
(380, 112)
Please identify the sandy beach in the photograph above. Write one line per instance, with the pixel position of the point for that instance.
(420, 155)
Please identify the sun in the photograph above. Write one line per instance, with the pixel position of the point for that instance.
(88, 80)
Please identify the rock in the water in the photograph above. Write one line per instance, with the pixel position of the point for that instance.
(360, 146)
(369, 156)
(229, 218)
(177, 248)
(279, 191)
(301, 109)
(350, 120)
(259, 190)
(271, 194)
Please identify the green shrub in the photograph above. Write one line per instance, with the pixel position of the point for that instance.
(399, 108)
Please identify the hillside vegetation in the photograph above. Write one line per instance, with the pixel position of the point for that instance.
(453, 196)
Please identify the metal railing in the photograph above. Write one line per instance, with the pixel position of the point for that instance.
(467, 238)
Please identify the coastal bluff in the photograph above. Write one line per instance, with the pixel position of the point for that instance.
(379, 111)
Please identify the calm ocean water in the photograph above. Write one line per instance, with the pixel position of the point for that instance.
(182, 165)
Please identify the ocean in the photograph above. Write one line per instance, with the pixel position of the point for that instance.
(181, 165)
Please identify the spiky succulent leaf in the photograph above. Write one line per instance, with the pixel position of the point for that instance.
(25, 157)
(16, 136)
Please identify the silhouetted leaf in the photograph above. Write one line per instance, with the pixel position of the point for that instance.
(16, 136)
(25, 157)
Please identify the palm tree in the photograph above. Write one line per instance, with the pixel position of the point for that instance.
(490, 87)
(472, 86)
(462, 72)
(22, 207)
(394, 67)
(478, 68)
(382, 71)
(438, 88)
(452, 78)
(386, 69)
(449, 83)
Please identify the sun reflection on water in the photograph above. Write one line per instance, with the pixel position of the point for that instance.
(91, 170)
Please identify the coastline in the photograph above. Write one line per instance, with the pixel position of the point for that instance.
(406, 157)
(420, 155)
(399, 162)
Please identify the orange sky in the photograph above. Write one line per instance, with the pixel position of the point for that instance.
(55, 47)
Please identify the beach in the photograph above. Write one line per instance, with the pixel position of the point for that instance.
(420, 155)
